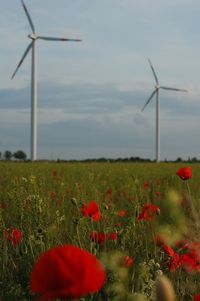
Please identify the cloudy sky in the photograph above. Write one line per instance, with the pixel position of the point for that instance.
(91, 93)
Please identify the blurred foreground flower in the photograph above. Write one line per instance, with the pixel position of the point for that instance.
(66, 272)
(185, 173)
(197, 297)
(164, 289)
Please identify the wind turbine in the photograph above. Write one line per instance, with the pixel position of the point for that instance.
(33, 36)
(157, 92)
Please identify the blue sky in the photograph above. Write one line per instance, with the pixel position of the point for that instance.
(91, 93)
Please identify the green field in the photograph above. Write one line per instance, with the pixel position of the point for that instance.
(44, 200)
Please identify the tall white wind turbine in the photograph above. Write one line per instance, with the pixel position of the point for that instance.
(33, 36)
(157, 92)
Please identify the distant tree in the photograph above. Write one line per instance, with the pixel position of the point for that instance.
(0, 155)
(7, 155)
(194, 160)
(20, 155)
(179, 159)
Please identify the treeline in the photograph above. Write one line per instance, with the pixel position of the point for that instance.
(17, 155)
(131, 159)
(20, 155)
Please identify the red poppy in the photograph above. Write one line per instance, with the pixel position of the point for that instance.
(54, 173)
(14, 236)
(66, 272)
(99, 238)
(174, 262)
(158, 194)
(128, 261)
(112, 236)
(121, 213)
(196, 297)
(147, 185)
(118, 225)
(185, 173)
(52, 194)
(148, 212)
(187, 263)
(92, 210)
(109, 193)
(168, 250)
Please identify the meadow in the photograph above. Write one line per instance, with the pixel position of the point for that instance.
(140, 221)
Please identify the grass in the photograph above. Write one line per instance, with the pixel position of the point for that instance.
(44, 202)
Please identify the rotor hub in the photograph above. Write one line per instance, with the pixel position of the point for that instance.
(32, 36)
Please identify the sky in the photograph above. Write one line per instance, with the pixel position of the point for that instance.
(90, 94)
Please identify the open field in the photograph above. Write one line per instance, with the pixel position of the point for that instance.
(44, 204)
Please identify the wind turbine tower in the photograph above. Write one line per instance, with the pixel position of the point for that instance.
(34, 83)
(157, 92)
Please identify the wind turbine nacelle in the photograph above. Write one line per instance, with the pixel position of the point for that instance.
(32, 36)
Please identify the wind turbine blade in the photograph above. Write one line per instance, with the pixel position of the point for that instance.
(28, 16)
(154, 73)
(154, 92)
(173, 89)
(58, 39)
(22, 59)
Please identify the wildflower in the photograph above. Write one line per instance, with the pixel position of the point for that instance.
(148, 212)
(187, 263)
(196, 297)
(14, 236)
(128, 261)
(158, 194)
(92, 210)
(147, 185)
(185, 173)
(112, 236)
(121, 213)
(66, 272)
(168, 250)
(174, 262)
(118, 225)
(99, 238)
(52, 194)
(54, 173)
(109, 193)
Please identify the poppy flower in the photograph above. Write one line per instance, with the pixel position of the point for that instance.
(128, 261)
(121, 213)
(187, 263)
(147, 185)
(14, 236)
(91, 210)
(158, 194)
(174, 262)
(148, 212)
(185, 173)
(112, 236)
(99, 238)
(196, 297)
(54, 173)
(66, 272)
(168, 250)
(109, 193)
